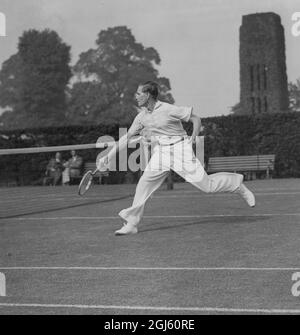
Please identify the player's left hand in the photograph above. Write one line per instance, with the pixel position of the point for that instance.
(193, 138)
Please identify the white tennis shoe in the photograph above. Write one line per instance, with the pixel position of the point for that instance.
(127, 229)
(246, 194)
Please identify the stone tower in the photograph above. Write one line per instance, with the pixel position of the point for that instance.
(263, 79)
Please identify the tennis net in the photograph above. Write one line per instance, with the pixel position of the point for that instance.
(32, 165)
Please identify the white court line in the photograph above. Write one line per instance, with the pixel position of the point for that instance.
(150, 216)
(223, 194)
(67, 198)
(159, 308)
(105, 268)
(35, 199)
(73, 196)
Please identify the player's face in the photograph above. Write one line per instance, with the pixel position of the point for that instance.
(141, 97)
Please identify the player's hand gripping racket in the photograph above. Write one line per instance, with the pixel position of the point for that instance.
(87, 179)
(101, 163)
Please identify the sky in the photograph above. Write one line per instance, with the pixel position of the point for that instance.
(197, 40)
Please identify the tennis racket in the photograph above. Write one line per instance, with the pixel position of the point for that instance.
(87, 179)
(86, 182)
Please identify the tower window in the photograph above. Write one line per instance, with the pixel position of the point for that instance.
(265, 76)
(252, 105)
(266, 104)
(258, 76)
(251, 69)
(258, 105)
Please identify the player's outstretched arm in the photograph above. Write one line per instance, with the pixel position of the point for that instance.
(119, 145)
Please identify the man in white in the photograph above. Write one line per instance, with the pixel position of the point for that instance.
(162, 123)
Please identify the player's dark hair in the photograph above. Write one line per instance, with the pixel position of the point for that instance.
(152, 88)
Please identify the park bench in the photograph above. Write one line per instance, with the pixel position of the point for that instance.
(248, 164)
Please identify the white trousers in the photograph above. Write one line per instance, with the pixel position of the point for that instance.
(181, 159)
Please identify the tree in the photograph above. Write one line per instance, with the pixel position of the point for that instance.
(294, 95)
(107, 77)
(10, 80)
(33, 81)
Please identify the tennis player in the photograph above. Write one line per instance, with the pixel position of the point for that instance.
(162, 122)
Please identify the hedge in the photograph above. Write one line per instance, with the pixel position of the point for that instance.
(224, 136)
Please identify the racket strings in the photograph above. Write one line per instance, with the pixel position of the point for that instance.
(85, 182)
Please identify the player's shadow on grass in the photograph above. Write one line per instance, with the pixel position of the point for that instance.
(216, 220)
(59, 208)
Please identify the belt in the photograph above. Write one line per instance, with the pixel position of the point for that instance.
(171, 144)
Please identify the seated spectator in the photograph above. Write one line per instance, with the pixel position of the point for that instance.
(54, 170)
(73, 168)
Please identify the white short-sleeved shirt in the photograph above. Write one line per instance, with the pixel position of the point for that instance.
(164, 120)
